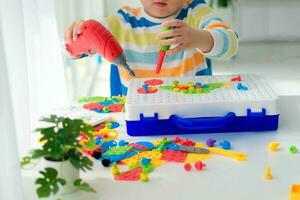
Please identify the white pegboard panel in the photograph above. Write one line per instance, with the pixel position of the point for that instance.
(218, 102)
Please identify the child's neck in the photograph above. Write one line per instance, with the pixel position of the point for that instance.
(161, 19)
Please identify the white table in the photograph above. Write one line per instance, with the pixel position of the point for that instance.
(224, 178)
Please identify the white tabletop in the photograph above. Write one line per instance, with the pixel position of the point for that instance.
(224, 178)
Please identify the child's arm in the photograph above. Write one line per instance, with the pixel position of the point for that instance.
(211, 36)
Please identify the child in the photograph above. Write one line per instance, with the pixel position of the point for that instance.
(198, 34)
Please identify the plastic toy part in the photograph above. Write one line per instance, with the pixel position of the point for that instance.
(114, 125)
(148, 168)
(162, 52)
(91, 99)
(185, 142)
(227, 84)
(149, 90)
(131, 175)
(191, 88)
(210, 142)
(146, 144)
(293, 150)
(268, 175)
(153, 155)
(108, 125)
(154, 82)
(295, 192)
(107, 144)
(145, 161)
(114, 169)
(97, 155)
(161, 57)
(117, 150)
(105, 162)
(236, 79)
(144, 177)
(273, 146)
(239, 86)
(123, 143)
(106, 109)
(104, 104)
(115, 107)
(187, 167)
(94, 106)
(225, 145)
(175, 82)
(235, 155)
(199, 165)
(138, 147)
(109, 133)
(175, 156)
(145, 88)
(190, 149)
(98, 128)
(163, 144)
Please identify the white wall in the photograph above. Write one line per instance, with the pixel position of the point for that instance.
(268, 20)
(69, 10)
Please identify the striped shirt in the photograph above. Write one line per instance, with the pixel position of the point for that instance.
(137, 33)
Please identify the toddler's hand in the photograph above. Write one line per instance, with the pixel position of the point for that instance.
(185, 37)
(72, 31)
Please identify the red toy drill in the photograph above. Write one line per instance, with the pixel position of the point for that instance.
(95, 37)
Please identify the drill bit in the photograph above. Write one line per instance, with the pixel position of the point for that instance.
(121, 60)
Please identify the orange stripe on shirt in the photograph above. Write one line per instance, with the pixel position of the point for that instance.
(134, 12)
(187, 65)
(126, 8)
(217, 24)
(137, 12)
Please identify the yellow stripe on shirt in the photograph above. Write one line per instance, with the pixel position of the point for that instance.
(187, 65)
(129, 36)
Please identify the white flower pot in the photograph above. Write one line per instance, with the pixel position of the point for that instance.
(65, 171)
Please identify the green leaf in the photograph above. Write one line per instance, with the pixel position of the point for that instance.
(52, 119)
(43, 192)
(79, 161)
(38, 153)
(25, 161)
(91, 144)
(61, 181)
(83, 186)
(49, 183)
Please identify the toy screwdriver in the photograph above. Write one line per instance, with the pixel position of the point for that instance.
(162, 51)
(95, 37)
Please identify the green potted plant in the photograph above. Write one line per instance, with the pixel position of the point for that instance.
(61, 156)
(220, 3)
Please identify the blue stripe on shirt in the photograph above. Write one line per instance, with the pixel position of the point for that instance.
(226, 43)
(184, 12)
(135, 23)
